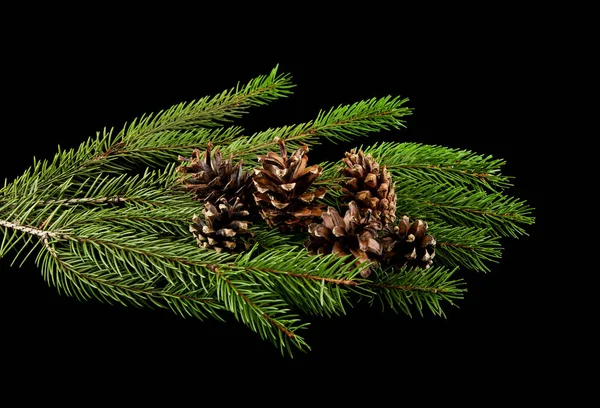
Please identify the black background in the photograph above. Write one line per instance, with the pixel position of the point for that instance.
(464, 95)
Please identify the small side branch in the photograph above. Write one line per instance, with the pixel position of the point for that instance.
(410, 288)
(85, 200)
(44, 236)
(115, 148)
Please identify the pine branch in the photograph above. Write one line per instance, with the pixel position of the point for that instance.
(336, 125)
(345, 122)
(437, 164)
(66, 166)
(73, 275)
(468, 247)
(457, 205)
(159, 149)
(263, 311)
(313, 285)
(121, 198)
(162, 220)
(419, 289)
(150, 187)
(212, 111)
(117, 266)
(154, 139)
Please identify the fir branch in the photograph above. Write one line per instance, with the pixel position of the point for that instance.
(248, 147)
(419, 289)
(61, 207)
(75, 276)
(429, 163)
(211, 111)
(66, 166)
(153, 140)
(20, 222)
(73, 167)
(468, 247)
(458, 205)
(147, 254)
(150, 187)
(159, 149)
(336, 125)
(263, 311)
(110, 267)
(130, 231)
(113, 264)
(345, 122)
(319, 285)
(325, 284)
(161, 220)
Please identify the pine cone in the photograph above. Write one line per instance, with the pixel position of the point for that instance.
(370, 186)
(352, 234)
(408, 244)
(223, 227)
(283, 189)
(211, 178)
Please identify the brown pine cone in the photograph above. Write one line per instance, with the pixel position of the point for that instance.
(223, 227)
(210, 177)
(370, 186)
(284, 192)
(351, 234)
(407, 244)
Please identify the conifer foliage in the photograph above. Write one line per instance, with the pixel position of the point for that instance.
(182, 210)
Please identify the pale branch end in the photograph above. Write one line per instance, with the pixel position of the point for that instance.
(38, 232)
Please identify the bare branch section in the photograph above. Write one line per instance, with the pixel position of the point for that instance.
(84, 200)
(44, 235)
